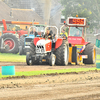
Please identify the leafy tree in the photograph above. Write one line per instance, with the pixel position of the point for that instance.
(89, 9)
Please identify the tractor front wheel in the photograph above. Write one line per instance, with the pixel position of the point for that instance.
(33, 52)
(28, 59)
(52, 60)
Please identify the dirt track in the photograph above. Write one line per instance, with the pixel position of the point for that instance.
(81, 86)
(24, 67)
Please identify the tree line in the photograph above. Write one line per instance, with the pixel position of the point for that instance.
(89, 9)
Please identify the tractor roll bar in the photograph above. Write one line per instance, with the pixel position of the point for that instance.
(61, 27)
(51, 27)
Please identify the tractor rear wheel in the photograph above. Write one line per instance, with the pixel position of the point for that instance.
(90, 50)
(21, 45)
(62, 54)
(12, 41)
(33, 52)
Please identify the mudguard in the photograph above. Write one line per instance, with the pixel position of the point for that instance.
(58, 43)
(36, 40)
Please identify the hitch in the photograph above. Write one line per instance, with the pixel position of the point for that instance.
(81, 57)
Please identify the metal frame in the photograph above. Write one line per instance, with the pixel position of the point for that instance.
(54, 27)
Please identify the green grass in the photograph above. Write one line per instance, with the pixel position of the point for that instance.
(20, 58)
(98, 56)
(98, 59)
(31, 73)
(12, 57)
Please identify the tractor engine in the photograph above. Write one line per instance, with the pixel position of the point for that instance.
(43, 46)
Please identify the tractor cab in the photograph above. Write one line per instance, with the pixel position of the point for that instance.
(76, 35)
(76, 38)
(77, 30)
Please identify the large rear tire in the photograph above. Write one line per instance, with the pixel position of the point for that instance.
(90, 50)
(62, 54)
(21, 45)
(12, 41)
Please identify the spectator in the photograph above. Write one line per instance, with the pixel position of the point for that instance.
(34, 32)
(26, 28)
(64, 34)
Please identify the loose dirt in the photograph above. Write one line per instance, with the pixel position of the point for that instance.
(23, 66)
(73, 86)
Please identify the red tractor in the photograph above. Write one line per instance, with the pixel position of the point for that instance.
(86, 51)
(52, 51)
(10, 39)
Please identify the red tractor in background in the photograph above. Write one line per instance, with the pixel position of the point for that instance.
(52, 51)
(10, 39)
(86, 51)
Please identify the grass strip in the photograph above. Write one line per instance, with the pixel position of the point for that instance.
(32, 73)
(97, 61)
(98, 57)
(7, 57)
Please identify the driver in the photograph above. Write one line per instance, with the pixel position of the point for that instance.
(77, 33)
(34, 32)
(48, 34)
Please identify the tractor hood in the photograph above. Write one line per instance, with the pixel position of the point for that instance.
(76, 40)
(43, 46)
(43, 42)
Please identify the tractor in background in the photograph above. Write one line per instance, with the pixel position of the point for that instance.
(86, 51)
(25, 40)
(10, 38)
(52, 51)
